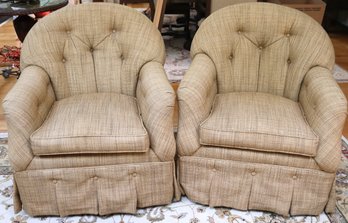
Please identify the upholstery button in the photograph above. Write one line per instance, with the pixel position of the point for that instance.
(114, 30)
(214, 170)
(289, 61)
(63, 60)
(95, 178)
(260, 47)
(253, 173)
(91, 49)
(55, 181)
(288, 35)
(68, 32)
(230, 57)
(122, 57)
(294, 177)
(239, 32)
(134, 174)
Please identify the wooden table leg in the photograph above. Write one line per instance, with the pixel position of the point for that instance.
(159, 13)
(22, 25)
(208, 8)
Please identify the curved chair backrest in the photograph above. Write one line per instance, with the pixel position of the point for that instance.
(93, 48)
(263, 47)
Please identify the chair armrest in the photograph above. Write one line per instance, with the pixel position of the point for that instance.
(26, 107)
(196, 95)
(156, 99)
(325, 108)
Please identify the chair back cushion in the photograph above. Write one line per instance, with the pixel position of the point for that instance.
(263, 47)
(96, 47)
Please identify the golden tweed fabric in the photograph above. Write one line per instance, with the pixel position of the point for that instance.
(258, 49)
(281, 189)
(94, 102)
(156, 100)
(196, 95)
(26, 107)
(95, 190)
(258, 121)
(325, 107)
(251, 156)
(263, 47)
(108, 53)
(84, 160)
(103, 123)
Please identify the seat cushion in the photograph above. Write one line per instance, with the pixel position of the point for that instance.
(258, 121)
(92, 123)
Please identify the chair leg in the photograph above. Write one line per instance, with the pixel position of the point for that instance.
(187, 24)
(153, 8)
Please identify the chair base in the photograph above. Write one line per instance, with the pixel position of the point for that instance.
(252, 186)
(99, 190)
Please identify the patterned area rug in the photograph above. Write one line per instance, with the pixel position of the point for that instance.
(5, 168)
(177, 59)
(340, 74)
(342, 183)
(10, 55)
(184, 211)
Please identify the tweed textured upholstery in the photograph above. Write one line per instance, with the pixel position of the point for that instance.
(107, 53)
(96, 190)
(87, 160)
(258, 121)
(268, 56)
(89, 120)
(325, 107)
(260, 116)
(120, 130)
(26, 107)
(157, 109)
(196, 95)
(253, 156)
(276, 188)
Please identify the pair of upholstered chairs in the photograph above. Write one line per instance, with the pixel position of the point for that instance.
(90, 119)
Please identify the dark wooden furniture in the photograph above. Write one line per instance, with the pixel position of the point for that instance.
(150, 2)
(336, 16)
(22, 9)
(159, 13)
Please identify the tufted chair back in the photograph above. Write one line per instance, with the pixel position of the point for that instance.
(263, 47)
(93, 48)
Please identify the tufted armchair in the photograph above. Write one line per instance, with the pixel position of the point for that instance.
(90, 119)
(260, 115)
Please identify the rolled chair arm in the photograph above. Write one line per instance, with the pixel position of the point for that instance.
(156, 100)
(325, 108)
(196, 95)
(26, 107)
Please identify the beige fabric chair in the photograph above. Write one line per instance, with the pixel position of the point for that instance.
(90, 119)
(260, 115)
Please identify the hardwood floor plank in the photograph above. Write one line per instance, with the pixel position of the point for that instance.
(340, 43)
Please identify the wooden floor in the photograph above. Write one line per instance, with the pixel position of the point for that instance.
(340, 43)
(8, 37)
